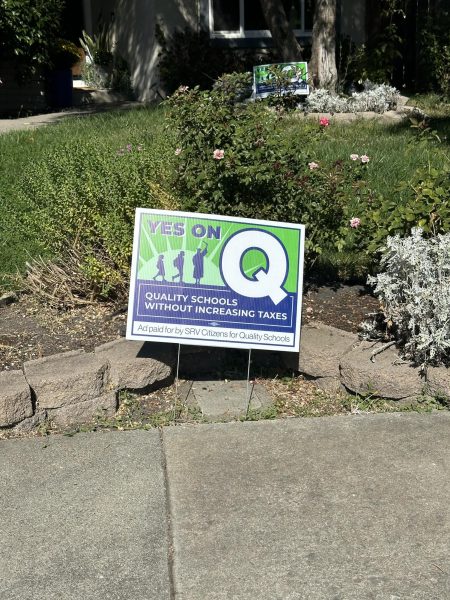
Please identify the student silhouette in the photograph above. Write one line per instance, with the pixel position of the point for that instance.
(161, 269)
(197, 261)
(178, 263)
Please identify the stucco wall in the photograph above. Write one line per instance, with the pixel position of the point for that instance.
(132, 24)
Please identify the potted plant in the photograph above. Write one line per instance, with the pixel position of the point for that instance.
(98, 67)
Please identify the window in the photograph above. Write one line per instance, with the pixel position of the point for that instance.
(244, 18)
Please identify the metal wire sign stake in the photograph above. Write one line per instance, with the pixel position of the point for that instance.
(176, 384)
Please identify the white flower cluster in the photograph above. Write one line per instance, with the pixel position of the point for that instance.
(374, 97)
(414, 287)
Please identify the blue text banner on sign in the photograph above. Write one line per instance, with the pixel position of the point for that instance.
(216, 281)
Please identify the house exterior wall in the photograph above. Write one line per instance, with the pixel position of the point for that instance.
(132, 26)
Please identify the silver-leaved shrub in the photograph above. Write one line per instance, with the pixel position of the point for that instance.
(414, 287)
(324, 101)
(374, 97)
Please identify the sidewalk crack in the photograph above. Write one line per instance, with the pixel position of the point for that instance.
(168, 512)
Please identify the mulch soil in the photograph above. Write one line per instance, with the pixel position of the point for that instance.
(29, 330)
(341, 306)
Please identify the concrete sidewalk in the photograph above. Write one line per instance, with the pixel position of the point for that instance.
(31, 122)
(339, 508)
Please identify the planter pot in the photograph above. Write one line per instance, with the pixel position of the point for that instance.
(60, 88)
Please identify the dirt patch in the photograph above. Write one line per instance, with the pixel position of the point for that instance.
(341, 306)
(30, 330)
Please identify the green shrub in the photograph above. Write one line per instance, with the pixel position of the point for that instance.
(236, 159)
(231, 157)
(235, 85)
(423, 202)
(28, 29)
(283, 97)
(379, 58)
(434, 54)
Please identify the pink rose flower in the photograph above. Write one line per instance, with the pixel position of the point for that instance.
(218, 154)
(355, 222)
(178, 152)
(364, 158)
(324, 122)
(313, 165)
(354, 156)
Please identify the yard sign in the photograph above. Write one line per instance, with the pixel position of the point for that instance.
(216, 281)
(263, 84)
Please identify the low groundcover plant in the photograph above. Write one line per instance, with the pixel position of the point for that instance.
(376, 98)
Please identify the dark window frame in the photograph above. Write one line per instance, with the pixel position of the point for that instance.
(246, 34)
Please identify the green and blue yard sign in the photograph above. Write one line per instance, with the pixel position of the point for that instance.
(216, 281)
(296, 73)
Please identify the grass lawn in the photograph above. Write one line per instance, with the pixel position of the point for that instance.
(395, 153)
(25, 150)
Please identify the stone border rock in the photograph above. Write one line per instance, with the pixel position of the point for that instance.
(398, 115)
(73, 387)
(338, 360)
(387, 117)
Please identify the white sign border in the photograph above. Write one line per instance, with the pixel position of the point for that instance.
(202, 342)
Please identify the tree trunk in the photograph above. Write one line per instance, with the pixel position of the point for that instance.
(283, 35)
(322, 67)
